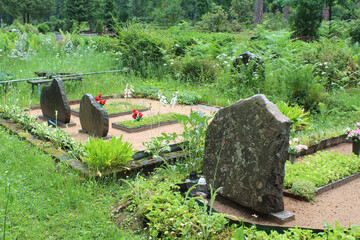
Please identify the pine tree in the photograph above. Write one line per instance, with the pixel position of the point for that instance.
(109, 14)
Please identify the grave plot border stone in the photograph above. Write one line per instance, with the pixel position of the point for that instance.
(76, 113)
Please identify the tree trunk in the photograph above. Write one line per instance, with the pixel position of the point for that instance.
(194, 14)
(258, 16)
(326, 13)
(286, 12)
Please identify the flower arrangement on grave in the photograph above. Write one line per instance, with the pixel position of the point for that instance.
(295, 148)
(137, 116)
(353, 135)
(99, 101)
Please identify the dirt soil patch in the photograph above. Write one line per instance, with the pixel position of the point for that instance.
(340, 204)
(139, 137)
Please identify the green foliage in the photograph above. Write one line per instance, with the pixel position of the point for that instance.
(355, 31)
(140, 47)
(195, 126)
(305, 189)
(99, 27)
(169, 214)
(101, 155)
(296, 114)
(43, 28)
(303, 88)
(322, 168)
(157, 146)
(306, 18)
(216, 20)
(196, 70)
(242, 11)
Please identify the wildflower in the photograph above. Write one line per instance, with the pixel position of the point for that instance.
(128, 91)
(174, 99)
(295, 140)
(163, 101)
(255, 216)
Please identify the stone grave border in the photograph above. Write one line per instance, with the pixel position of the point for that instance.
(140, 162)
(323, 144)
(143, 127)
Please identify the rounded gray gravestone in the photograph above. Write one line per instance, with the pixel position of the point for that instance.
(251, 140)
(53, 98)
(93, 118)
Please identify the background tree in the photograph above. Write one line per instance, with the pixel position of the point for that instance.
(242, 10)
(258, 13)
(170, 12)
(27, 9)
(109, 14)
(306, 18)
(80, 10)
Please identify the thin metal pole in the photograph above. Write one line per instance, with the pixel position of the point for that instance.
(61, 76)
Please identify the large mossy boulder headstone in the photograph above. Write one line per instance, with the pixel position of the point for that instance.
(54, 101)
(93, 118)
(246, 148)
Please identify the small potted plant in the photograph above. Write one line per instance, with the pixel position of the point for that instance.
(354, 136)
(294, 149)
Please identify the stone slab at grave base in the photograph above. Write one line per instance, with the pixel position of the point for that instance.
(93, 135)
(59, 124)
(282, 217)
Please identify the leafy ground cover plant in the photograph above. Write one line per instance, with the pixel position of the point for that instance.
(320, 169)
(157, 146)
(149, 120)
(100, 155)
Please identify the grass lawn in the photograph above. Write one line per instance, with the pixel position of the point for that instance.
(52, 201)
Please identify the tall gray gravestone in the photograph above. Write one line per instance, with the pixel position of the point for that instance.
(248, 142)
(54, 99)
(93, 118)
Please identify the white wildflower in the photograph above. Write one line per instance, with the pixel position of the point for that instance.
(174, 100)
(128, 91)
(163, 101)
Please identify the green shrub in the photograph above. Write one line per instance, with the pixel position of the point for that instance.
(43, 28)
(216, 20)
(141, 47)
(101, 155)
(303, 87)
(99, 27)
(196, 70)
(355, 31)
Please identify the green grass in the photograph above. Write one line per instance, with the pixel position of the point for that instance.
(148, 120)
(50, 200)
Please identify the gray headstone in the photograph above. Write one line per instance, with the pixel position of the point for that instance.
(93, 118)
(53, 98)
(252, 159)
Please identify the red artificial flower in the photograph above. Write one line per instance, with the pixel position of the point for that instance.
(104, 101)
(99, 94)
(233, 29)
(97, 98)
(140, 115)
(134, 110)
(134, 116)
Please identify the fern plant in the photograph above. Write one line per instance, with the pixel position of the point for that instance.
(297, 115)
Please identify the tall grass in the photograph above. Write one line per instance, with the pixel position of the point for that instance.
(51, 201)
